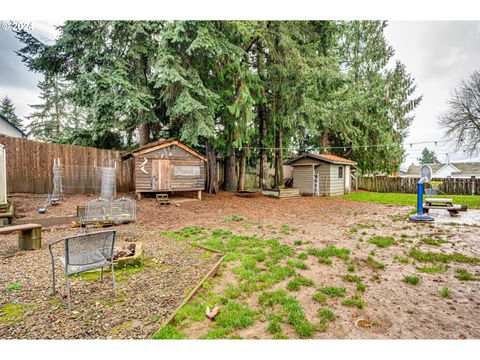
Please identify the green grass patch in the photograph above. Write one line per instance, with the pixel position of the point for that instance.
(351, 267)
(401, 259)
(374, 263)
(354, 301)
(12, 287)
(330, 251)
(235, 316)
(333, 291)
(440, 257)
(382, 241)
(446, 293)
(464, 275)
(319, 297)
(169, 332)
(297, 264)
(297, 242)
(411, 279)
(434, 269)
(325, 316)
(298, 282)
(433, 242)
(217, 333)
(292, 312)
(303, 256)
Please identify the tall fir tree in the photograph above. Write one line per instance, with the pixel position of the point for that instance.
(7, 109)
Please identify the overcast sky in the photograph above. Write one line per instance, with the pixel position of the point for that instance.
(439, 54)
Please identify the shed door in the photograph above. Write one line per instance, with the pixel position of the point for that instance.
(161, 172)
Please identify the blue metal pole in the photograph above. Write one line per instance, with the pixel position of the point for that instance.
(420, 198)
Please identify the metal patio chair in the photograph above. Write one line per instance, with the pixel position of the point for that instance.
(85, 252)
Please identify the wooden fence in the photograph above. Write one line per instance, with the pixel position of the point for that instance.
(30, 163)
(451, 186)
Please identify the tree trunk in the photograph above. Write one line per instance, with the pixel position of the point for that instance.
(242, 170)
(262, 131)
(143, 130)
(212, 185)
(229, 172)
(278, 157)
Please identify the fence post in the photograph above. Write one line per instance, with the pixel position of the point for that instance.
(473, 185)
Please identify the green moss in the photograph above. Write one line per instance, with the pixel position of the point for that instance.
(169, 332)
(13, 313)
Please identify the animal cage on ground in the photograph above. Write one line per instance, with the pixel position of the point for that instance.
(105, 212)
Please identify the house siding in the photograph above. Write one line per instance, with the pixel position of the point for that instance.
(337, 185)
(303, 179)
(323, 169)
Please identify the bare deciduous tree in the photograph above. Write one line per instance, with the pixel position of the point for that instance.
(462, 120)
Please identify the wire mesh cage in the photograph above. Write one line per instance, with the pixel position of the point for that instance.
(102, 212)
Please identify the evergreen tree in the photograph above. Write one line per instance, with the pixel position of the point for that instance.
(7, 109)
(428, 157)
(49, 120)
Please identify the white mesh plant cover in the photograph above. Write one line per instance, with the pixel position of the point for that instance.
(57, 192)
(109, 183)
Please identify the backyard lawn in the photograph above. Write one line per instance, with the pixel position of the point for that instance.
(472, 202)
(300, 268)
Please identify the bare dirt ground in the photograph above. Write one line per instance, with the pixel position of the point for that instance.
(393, 309)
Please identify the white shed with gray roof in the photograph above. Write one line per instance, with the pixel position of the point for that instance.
(321, 174)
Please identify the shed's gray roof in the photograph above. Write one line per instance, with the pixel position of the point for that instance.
(332, 159)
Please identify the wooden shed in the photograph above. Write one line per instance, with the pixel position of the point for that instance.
(168, 166)
(321, 174)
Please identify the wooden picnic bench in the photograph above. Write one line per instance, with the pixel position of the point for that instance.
(443, 203)
(29, 236)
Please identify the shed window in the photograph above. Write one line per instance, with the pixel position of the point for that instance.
(340, 172)
(184, 170)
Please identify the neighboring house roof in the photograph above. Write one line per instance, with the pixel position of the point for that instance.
(160, 144)
(466, 169)
(13, 125)
(332, 159)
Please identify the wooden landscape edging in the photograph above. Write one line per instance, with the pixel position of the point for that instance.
(210, 274)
